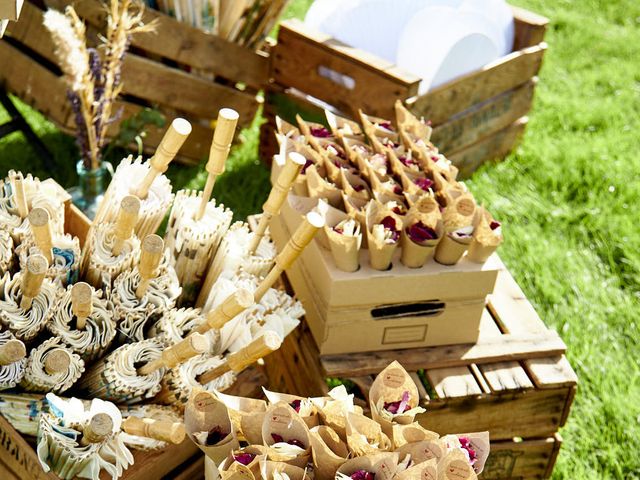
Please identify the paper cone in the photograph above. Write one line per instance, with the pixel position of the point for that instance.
(354, 186)
(208, 425)
(365, 436)
(343, 126)
(329, 452)
(423, 451)
(233, 464)
(319, 187)
(333, 409)
(425, 212)
(283, 424)
(269, 468)
(247, 415)
(455, 466)
(287, 128)
(382, 465)
(393, 384)
(345, 248)
(486, 239)
(449, 251)
(423, 471)
(357, 150)
(411, 433)
(380, 250)
(301, 405)
(387, 186)
(395, 203)
(479, 443)
(408, 123)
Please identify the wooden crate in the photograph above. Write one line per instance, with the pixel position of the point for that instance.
(181, 70)
(514, 382)
(19, 460)
(477, 117)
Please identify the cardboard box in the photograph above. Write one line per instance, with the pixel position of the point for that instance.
(398, 308)
(10, 9)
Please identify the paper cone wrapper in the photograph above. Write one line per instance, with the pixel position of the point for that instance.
(386, 187)
(287, 128)
(450, 251)
(423, 471)
(318, 187)
(333, 170)
(455, 466)
(485, 240)
(282, 420)
(329, 452)
(268, 468)
(480, 444)
(412, 433)
(380, 253)
(415, 255)
(357, 208)
(230, 464)
(342, 126)
(423, 451)
(236, 472)
(345, 249)
(383, 465)
(354, 186)
(332, 217)
(362, 433)
(409, 123)
(461, 213)
(203, 414)
(247, 416)
(308, 411)
(389, 386)
(333, 416)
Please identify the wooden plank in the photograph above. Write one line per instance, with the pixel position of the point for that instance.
(482, 382)
(503, 376)
(444, 102)
(484, 119)
(493, 147)
(551, 372)
(505, 348)
(10, 9)
(18, 458)
(193, 470)
(186, 45)
(31, 32)
(522, 460)
(336, 74)
(529, 28)
(453, 382)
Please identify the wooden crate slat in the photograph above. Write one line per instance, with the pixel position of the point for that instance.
(522, 460)
(482, 382)
(484, 119)
(493, 147)
(187, 45)
(503, 376)
(488, 327)
(356, 81)
(364, 384)
(10, 9)
(529, 28)
(191, 471)
(453, 382)
(551, 372)
(31, 32)
(17, 456)
(505, 348)
(505, 74)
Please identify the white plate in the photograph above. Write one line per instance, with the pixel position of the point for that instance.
(500, 14)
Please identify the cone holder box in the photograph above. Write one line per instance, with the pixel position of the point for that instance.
(370, 310)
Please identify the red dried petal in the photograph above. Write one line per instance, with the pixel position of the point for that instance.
(419, 232)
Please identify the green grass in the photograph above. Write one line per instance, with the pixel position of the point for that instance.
(569, 199)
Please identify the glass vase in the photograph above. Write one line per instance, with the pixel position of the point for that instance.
(92, 185)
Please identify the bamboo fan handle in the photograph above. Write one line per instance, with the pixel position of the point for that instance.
(20, 195)
(222, 139)
(11, 352)
(233, 305)
(244, 357)
(81, 303)
(39, 220)
(173, 356)
(163, 430)
(32, 279)
(126, 222)
(291, 251)
(57, 361)
(277, 196)
(150, 257)
(173, 139)
(97, 430)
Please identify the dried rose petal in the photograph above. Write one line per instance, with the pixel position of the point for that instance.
(340, 231)
(216, 436)
(400, 406)
(363, 475)
(423, 183)
(307, 164)
(389, 223)
(420, 233)
(296, 442)
(244, 458)
(320, 132)
(435, 158)
(465, 443)
(406, 161)
(277, 438)
(386, 126)
(397, 189)
(296, 404)
(494, 225)
(358, 188)
(398, 210)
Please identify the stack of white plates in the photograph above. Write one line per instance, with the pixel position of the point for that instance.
(437, 40)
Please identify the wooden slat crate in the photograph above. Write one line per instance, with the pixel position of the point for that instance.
(179, 69)
(477, 117)
(19, 460)
(515, 382)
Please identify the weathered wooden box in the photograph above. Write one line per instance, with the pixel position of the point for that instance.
(179, 69)
(514, 382)
(477, 117)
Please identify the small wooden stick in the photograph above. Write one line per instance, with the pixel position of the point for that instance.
(21, 197)
(222, 139)
(233, 305)
(277, 196)
(81, 303)
(163, 430)
(97, 430)
(39, 220)
(32, 279)
(11, 352)
(300, 239)
(173, 139)
(126, 222)
(57, 361)
(150, 257)
(193, 345)
(244, 357)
